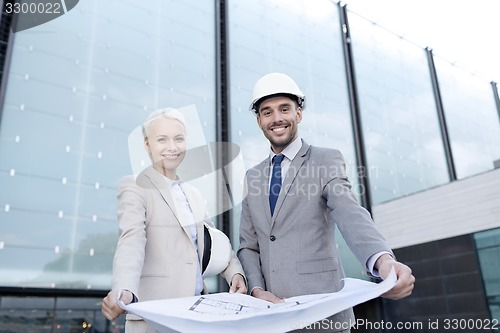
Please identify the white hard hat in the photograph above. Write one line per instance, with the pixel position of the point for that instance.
(276, 84)
(217, 253)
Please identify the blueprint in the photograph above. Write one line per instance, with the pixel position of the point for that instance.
(225, 312)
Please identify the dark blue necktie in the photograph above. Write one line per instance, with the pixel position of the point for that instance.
(275, 187)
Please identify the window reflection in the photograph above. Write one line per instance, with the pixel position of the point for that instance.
(400, 124)
(302, 39)
(76, 87)
(488, 249)
(55, 314)
(471, 118)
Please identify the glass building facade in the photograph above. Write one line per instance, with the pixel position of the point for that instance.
(76, 88)
(73, 90)
(398, 112)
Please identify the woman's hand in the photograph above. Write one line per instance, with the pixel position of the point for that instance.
(110, 309)
(238, 284)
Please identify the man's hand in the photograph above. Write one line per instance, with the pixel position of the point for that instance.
(406, 280)
(238, 284)
(266, 296)
(110, 309)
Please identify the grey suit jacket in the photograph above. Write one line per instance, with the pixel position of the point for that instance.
(155, 257)
(294, 252)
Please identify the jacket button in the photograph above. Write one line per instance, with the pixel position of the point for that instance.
(272, 238)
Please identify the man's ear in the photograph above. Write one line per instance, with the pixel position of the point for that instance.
(299, 114)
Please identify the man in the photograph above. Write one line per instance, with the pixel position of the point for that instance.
(287, 241)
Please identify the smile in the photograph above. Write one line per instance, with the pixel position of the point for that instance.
(279, 129)
(170, 157)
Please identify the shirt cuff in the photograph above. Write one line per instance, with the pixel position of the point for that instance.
(134, 298)
(370, 264)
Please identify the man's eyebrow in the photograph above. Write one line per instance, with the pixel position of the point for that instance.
(264, 109)
(289, 104)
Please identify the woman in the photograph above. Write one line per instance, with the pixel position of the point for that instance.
(161, 222)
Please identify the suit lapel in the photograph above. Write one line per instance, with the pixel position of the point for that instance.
(289, 179)
(159, 184)
(156, 181)
(264, 170)
(199, 217)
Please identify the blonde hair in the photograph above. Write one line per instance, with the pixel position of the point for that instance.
(167, 113)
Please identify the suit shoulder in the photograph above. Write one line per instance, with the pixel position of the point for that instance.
(322, 151)
(139, 182)
(256, 169)
(130, 179)
(128, 183)
(329, 158)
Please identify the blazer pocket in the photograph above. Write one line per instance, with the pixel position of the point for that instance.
(317, 265)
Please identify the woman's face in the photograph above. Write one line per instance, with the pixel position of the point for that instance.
(166, 144)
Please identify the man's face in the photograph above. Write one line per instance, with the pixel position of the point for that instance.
(278, 118)
(166, 144)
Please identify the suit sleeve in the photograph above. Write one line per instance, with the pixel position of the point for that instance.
(233, 268)
(129, 256)
(354, 221)
(249, 251)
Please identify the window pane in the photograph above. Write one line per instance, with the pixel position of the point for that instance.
(401, 131)
(471, 117)
(76, 88)
(302, 39)
(55, 314)
(488, 250)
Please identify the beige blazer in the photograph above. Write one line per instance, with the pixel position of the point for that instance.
(155, 257)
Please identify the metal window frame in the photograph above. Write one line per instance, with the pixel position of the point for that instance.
(494, 86)
(452, 173)
(7, 20)
(356, 120)
(222, 119)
